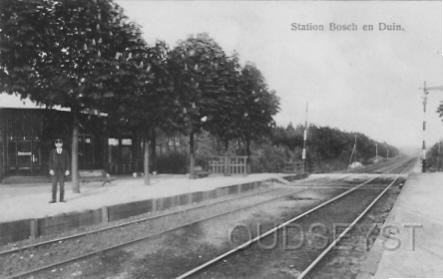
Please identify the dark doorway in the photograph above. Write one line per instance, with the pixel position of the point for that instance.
(23, 155)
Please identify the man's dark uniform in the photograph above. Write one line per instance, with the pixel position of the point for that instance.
(59, 163)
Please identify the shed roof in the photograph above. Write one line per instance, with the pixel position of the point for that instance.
(14, 101)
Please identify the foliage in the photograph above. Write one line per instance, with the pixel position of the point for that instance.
(434, 158)
(87, 55)
(226, 124)
(148, 100)
(195, 64)
(173, 162)
(258, 105)
(329, 148)
(63, 52)
(269, 158)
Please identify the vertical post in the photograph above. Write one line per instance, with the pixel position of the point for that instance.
(146, 160)
(376, 151)
(423, 155)
(153, 143)
(248, 155)
(191, 155)
(105, 215)
(34, 228)
(354, 151)
(226, 166)
(74, 152)
(134, 151)
(305, 138)
(387, 152)
(355, 147)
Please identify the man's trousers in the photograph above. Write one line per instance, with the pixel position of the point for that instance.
(58, 177)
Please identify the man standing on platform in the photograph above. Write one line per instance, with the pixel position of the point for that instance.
(59, 166)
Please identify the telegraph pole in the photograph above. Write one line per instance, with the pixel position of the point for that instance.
(376, 151)
(423, 147)
(354, 151)
(305, 139)
(426, 90)
(425, 97)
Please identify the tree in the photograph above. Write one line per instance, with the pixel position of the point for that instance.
(226, 123)
(258, 106)
(195, 65)
(149, 104)
(330, 148)
(63, 53)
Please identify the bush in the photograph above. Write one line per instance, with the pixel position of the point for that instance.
(174, 162)
(434, 158)
(269, 158)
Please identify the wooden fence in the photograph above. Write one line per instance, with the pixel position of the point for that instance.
(229, 165)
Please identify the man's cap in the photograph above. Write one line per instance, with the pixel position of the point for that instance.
(58, 140)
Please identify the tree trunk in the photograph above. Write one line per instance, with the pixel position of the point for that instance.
(153, 150)
(191, 155)
(121, 166)
(74, 152)
(226, 146)
(105, 147)
(146, 160)
(135, 151)
(248, 154)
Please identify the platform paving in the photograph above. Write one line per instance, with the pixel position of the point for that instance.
(411, 243)
(26, 201)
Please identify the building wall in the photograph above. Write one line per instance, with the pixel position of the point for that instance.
(2, 163)
(28, 136)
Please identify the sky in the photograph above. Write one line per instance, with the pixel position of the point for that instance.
(363, 81)
(356, 80)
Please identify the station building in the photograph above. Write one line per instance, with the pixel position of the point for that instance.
(28, 131)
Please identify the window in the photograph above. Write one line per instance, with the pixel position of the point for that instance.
(126, 142)
(112, 142)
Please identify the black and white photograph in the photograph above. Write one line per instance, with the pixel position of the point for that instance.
(268, 139)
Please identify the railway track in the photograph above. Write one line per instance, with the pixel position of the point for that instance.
(43, 247)
(309, 258)
(29, 252)
(387, 167)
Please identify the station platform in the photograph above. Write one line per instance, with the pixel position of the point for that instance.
(26, 211)
(23, 201)
(411, 243)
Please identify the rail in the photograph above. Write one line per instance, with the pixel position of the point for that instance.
(292, 220)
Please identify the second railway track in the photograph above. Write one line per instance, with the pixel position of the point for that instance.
(25, 261)
(347, 208)
(37, 268)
